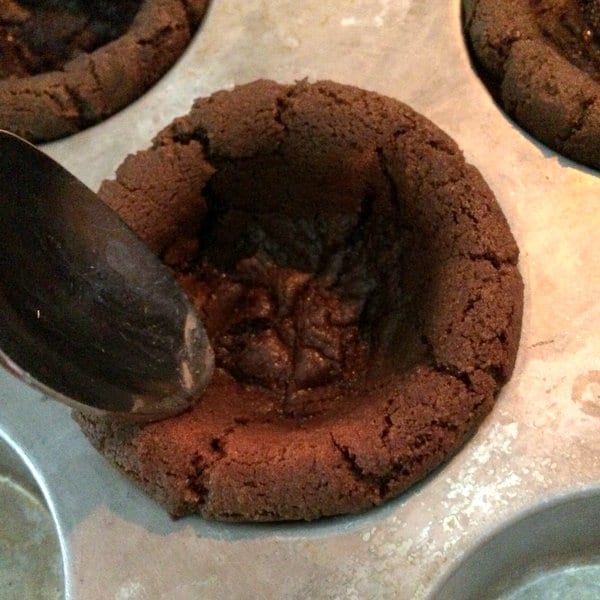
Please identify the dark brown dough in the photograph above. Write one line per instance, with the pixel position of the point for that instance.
(541, 60)
(67, 65)
(359, 285)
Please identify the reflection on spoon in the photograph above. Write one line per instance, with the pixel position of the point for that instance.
(88, 314)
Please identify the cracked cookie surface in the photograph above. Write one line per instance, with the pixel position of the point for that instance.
(541, 61)
(357, 280)
(67, 65)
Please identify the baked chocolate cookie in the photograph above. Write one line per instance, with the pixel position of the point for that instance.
(541, 60)
(67, 64)
(359, 285)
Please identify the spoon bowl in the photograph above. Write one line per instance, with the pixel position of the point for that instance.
(88, 314)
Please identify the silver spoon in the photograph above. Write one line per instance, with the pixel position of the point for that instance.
(88, 314)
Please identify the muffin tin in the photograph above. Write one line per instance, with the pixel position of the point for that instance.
(30, 558)
(551, 551)
(543, 436)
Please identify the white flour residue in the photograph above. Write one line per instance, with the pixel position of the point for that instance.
(133, 590)
(379, 18)
(467, 495)
(367, 536)
(376, 14)
(564, 402)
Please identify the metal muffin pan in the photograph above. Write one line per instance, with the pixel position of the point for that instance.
(550, 552)
(30, 559)
(542, 438)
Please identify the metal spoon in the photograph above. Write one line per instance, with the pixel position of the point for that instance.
(88, 314)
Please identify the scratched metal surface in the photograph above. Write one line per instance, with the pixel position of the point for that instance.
(543, 436)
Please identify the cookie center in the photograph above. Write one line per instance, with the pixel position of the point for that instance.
(38, 36)
(304, 303)
(285, 328)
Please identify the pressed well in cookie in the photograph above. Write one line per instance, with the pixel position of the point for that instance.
(358, 283)
(302, 305)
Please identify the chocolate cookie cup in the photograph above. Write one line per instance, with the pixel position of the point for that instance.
(541, 61)
(67, 65)
(359, 285)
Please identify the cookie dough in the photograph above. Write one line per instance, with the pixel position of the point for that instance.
(358, 283)
(541, 60)
(65, 65)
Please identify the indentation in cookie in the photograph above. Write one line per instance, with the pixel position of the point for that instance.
(295, 302)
